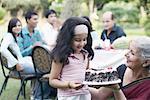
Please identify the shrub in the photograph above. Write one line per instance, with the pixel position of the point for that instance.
(2, 13)
(147, 27)
(124, 12)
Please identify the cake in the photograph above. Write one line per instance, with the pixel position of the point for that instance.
(101, 77)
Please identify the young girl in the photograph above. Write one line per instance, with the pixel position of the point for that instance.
(70, 60)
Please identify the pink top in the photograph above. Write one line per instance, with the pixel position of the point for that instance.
(74, 71)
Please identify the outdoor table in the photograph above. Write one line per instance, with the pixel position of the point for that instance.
(108, 58)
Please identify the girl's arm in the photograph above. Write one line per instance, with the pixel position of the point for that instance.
(54, 76)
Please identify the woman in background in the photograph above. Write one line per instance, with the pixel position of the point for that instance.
(11, 41)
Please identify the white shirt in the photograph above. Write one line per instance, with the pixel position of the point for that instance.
(49, 34)
(9, 41)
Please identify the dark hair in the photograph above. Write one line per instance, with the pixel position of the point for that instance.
(51, 11)
(13, 23)
(63, 46)
(112, 16)
(29, 14)
(88, 19)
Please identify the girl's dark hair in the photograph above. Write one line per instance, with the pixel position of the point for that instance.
(13, 23)
(88, 19)
(63, 46)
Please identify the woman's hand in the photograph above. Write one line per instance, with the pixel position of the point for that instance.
(74, 85)
(113, 87)
(19, 67)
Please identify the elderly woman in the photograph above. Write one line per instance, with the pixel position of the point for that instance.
(135, 75)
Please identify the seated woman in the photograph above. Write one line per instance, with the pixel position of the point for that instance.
(10, 39)
(135, 75)
(14, 41)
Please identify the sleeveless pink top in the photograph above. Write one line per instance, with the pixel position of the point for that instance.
(74, 71)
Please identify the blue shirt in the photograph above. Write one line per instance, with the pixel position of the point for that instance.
(20, 42)
(114, 34)
(29, 41)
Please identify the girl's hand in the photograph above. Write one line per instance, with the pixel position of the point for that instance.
(74, 85)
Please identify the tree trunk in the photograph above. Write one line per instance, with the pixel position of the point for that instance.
(71, 8)
(91, 6)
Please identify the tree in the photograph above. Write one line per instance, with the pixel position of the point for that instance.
(16, 5)
(71, 8)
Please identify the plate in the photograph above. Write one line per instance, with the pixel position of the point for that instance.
(102, 83)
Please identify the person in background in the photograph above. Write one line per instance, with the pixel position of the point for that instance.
(135, 75)
(111, 30)
(94, 34)
(70, 60)
(31, 36)
(89, 43)
(10, 42)
(49, 29)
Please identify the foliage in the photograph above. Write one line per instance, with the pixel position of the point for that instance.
(124, 12)
(84, 9)
(147, 26)
(15, 5)
(57, 6)
(70, 8)
(146, 5)
(2, 13)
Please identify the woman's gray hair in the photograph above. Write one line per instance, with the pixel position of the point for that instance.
(143, 44)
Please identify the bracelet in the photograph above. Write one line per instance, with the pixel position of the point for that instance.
(69, 85)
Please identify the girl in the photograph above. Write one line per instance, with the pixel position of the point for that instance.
(70, 60)
(10, 40)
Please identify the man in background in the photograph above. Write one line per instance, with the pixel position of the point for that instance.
(31, 36)
(50, 28)
(111, 30)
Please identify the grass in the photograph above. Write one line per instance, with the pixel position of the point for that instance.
(12, 89)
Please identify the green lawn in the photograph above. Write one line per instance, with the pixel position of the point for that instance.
(12, 89)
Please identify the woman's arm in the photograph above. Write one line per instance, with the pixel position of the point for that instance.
(118, 93)
(102, 93)
(7, 40)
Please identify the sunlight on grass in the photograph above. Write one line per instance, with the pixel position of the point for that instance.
(12, 89)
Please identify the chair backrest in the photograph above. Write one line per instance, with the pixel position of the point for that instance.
(3, 61)
(4, 64)
(41, 59)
